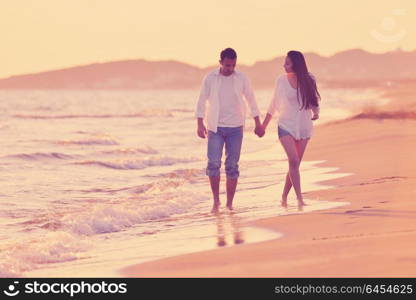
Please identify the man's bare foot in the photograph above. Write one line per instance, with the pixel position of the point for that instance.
(215, 207)
(238, 239)
(229, 206)
(221, 242)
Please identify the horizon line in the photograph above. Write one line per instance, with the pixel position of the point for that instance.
(398, 49)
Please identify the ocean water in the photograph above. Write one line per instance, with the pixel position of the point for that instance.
(92, 181)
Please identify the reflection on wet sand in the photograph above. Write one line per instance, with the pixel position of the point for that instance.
(233, 222)
(230, 222)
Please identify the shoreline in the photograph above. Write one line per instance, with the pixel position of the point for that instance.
(225, 229)
(370, 237)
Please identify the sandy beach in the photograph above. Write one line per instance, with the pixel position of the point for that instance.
(373, 236)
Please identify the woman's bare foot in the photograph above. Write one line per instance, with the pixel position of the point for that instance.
(301, 202)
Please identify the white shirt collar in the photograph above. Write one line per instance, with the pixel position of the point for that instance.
(217, 72)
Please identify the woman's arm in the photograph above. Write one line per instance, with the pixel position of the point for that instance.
(274, 104)
(267, 120)
(315, 110)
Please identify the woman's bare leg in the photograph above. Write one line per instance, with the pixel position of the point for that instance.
(294, 150)
(286, 189)
(300, 147)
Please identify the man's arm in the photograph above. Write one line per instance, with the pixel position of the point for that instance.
(251, 100)
(200, 108)
(201, 130)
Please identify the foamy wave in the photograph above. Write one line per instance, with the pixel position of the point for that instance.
(139, 189)
(40, 155)
(145, 150)
(138, 164)
(29, 254)
(143, 114)
(147, 202)
(141, 203)
(68, 239)
(174, 181)
(185, 110)
(190, 175)
(114, 218)
(88, 142)
(379, 114)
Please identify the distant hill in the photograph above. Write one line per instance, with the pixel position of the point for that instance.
(354, 67)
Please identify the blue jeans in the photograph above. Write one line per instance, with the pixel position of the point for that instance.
(232, 137)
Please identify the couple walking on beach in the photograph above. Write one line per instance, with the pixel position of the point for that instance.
(295, 98)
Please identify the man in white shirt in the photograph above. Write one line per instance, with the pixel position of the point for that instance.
(224, 89)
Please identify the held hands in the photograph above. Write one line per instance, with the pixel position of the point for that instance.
(259, 130)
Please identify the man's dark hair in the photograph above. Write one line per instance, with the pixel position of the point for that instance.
(228, 53)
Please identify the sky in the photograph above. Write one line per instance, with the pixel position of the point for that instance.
(41, 35)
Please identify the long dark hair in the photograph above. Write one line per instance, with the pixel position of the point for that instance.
(306, 85)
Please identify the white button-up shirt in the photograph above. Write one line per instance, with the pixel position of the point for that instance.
(210, 91)
(297, 121)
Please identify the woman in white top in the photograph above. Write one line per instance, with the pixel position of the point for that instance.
(296, 99)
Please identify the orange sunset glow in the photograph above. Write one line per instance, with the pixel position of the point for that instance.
(52, 34)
